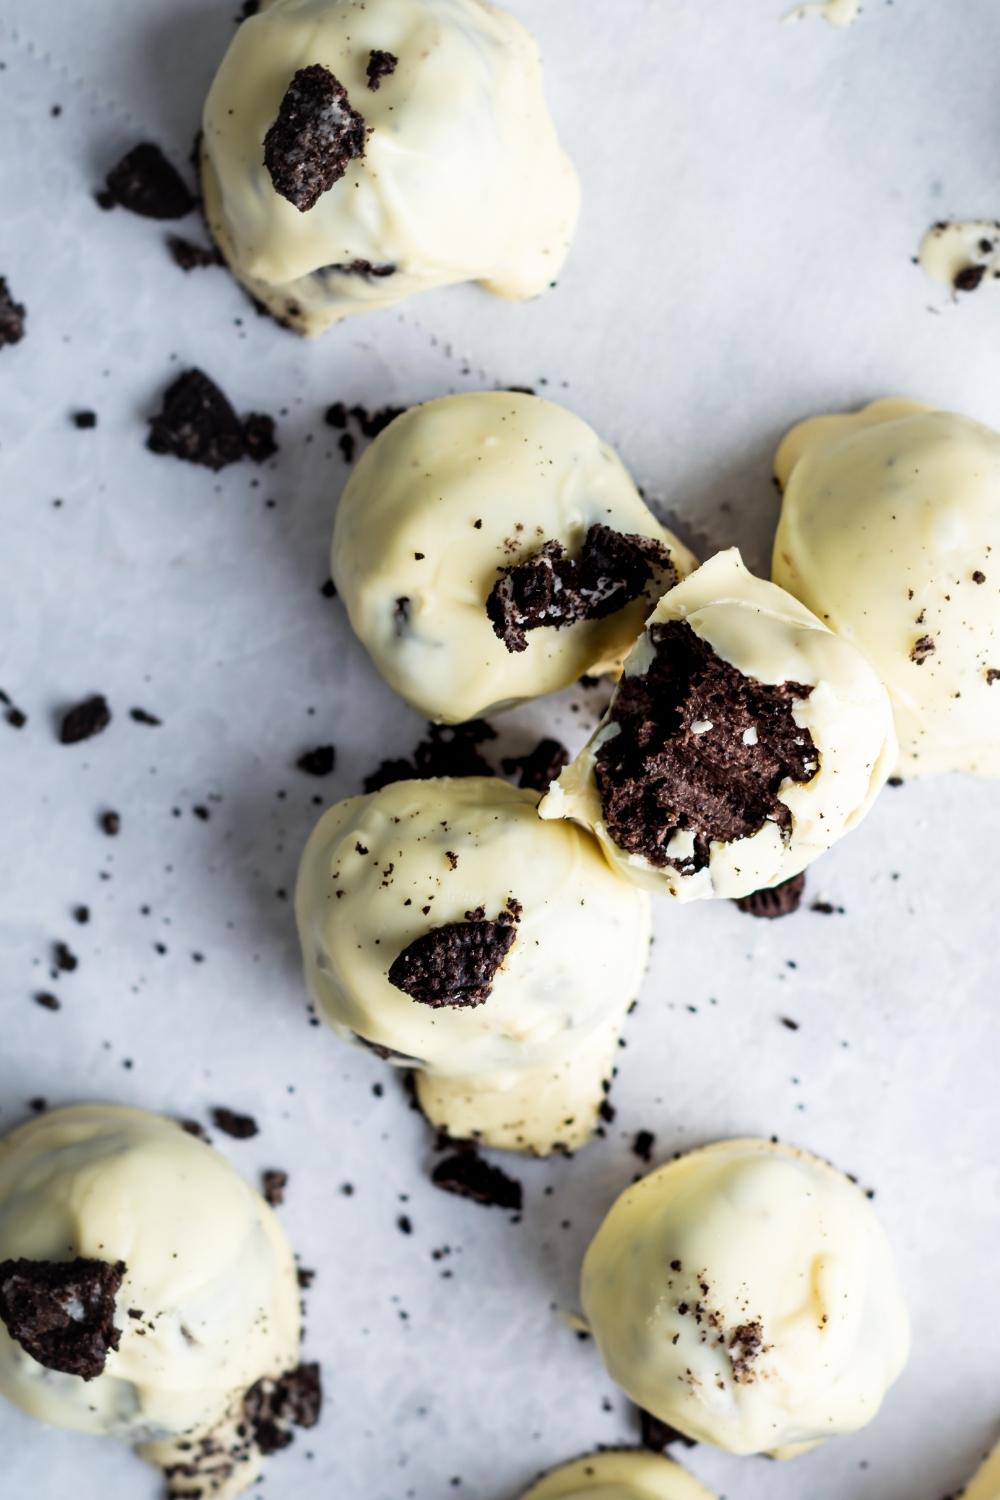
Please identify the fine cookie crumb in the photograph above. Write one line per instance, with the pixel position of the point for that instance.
(88, 718)
(189, 256)
(456, 964)
(62, 1313)
(318, 762)
(146, 183)
(467, 1175)
(111, 824)
(273, 1184)
(12, 316)
(314, 139)
(240, 1127)
(776, 900)
(380, 65)
(273, 1407)
(922, 649)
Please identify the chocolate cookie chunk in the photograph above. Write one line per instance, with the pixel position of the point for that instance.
(776, 900)
(62, 1313)
(457, 963)
(12, 316)
(380, 65)
(541, 766)
(551, 588)
(273, 1407)
(86, 719)
(448, 750)
(197, 423)
(467, 1175)
(314, 139)
(701, 751)
(145, 183)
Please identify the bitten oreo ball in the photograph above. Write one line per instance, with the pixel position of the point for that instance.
(490, 548)
(741, 742)
(890, 532)
(354, 154)
(448, 929)
(747, 1295)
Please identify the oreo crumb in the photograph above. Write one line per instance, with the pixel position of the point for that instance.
(467, 1175)
(643, 1145)
(329, 589)
(318, 762)
(304, 1277)
(195, 1128)
(365, 268)
(776, 900)
(404, 1224)
(380, 65)
(455, 965)
(259, 442)
(273, 1187)
(273, 1407)
(979, 576)
(47, 1001)
(145, 183)
(84, 420)
(88, 718)
(62, 1313)
(240, 1127)
(197, 423)
(81, 914)
(552, 589)
(314, 139)
(922, 649)
(13, 316)
(541, 766)
(968, 278)
(64, 958)
(658, 777)
(448, 750)
(788, 1023)
(14, 716)
(142, 716)
(111, 824)
(191, 257)
(657, 1436)
(249, 8)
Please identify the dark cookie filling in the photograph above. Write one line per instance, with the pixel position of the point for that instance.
(314, 139)
(551, 588)
(62, 1313)
(457, 963)
(273, 1407)
(701, 750)
(541, 766)
(776, 900)
(145, 183)
(380, 65)
(467, 1175)
(12, 316)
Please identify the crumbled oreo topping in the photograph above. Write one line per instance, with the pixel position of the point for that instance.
(191, 257)
(146, 183)
(314, 139)
(701, 752)
(552, 589)
(448, 750)
(468, 1175)
(62, 1313)
(456, 964)
(776, 900)
(273, 1407)
(380, 65)
(86, 719)
(12, 316)
(922, 649)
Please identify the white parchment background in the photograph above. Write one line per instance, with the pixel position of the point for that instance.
(753, 196)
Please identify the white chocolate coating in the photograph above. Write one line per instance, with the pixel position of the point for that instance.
(625, 1474)
(528, 472)
(746, 1294)
(769, 636)
(561, 993)
(888, 516)
(947, 250)
(463, 178)
(206, 1262)
(985, 1483)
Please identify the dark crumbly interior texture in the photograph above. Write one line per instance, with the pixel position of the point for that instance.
(551, 588)
(457, 963)
(62, 1312)
(314, 139)
(658, 777)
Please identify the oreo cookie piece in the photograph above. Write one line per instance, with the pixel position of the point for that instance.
(456, 964)
(197, 423)
(467, 1175)
(314, 139)
(86, 719)
(240, 1127)
(380, 65)
(662, 774)
(145, 183)
(539, 767)
(776, 900)
(62, 1313)
(552, 589)
(12, 316)
(273, 1407)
